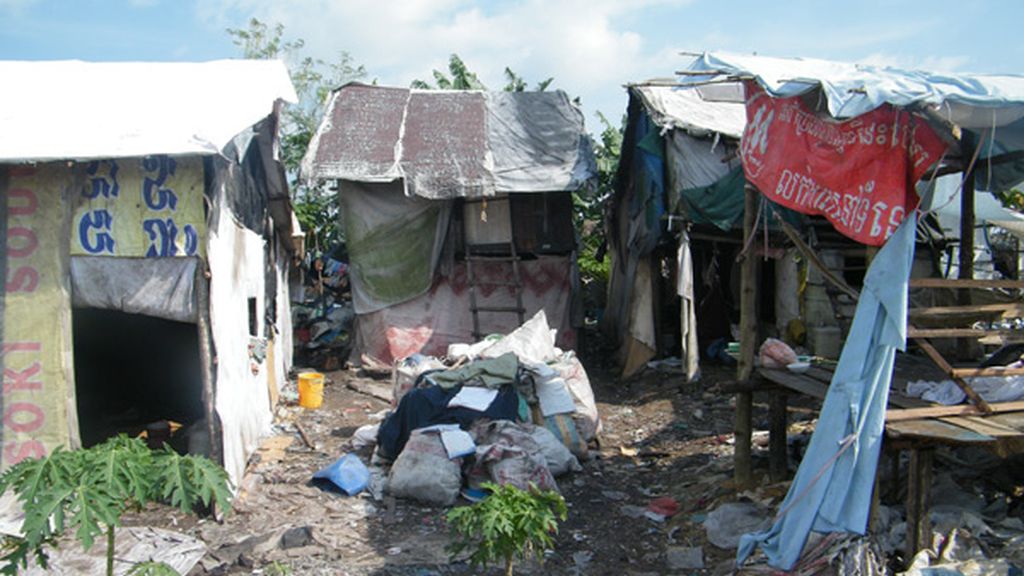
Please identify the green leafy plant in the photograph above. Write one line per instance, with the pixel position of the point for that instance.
(510, 523)
(88, 490)
(152, 569)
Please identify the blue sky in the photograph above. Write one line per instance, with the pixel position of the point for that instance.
(590, 47)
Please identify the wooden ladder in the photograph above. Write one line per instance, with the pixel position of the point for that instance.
(509, 255)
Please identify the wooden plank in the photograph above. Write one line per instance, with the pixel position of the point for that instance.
(959, 283)
(992, 371)
(962, 332)
(937, 431)
(796, 382)
(982, 426)
(979, 311)
(1013, 420)
(899, 415)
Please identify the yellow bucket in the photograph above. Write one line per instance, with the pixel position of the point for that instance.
(311, 389)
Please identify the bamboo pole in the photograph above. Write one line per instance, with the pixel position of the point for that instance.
(963, 297)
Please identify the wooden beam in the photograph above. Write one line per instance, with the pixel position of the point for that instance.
(962, 332)
(941, 363)
(742, 469)
(919, 483)
(970, 313)
(992, 371)
(903, 414)
(964, 283)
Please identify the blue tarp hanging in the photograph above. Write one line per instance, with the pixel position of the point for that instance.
(832, 488)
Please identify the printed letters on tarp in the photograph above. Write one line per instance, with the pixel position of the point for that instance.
(858, 173)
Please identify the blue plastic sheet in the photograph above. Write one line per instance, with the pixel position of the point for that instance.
(347, 473)
(832, 488)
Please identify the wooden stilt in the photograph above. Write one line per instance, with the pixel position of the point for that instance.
(919, 481)
(778, 467)
(742, 473)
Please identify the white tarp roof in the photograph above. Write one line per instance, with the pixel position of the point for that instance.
(694, 110)
(83, 110)
(974, 101)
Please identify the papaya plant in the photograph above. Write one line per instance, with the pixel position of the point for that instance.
(88, 490)
(510, 523)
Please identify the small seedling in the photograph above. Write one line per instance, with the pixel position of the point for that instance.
(88, 490)
(510, 523)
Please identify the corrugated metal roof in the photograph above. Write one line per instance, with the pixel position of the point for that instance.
(446, 144)
(83, 110)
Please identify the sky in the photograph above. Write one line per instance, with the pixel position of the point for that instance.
(590, 47)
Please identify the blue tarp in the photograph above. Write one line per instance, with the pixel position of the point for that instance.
(832, 488)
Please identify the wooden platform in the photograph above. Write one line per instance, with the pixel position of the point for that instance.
(911, 424)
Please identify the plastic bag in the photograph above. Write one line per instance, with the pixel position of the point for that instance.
(775, 353)
(559, 459)
(424, 472)
(347, 473)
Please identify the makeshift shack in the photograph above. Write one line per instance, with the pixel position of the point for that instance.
(456, 209)
(147, 230)
(858, 146)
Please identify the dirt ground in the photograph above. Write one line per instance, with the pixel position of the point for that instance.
(660, 438)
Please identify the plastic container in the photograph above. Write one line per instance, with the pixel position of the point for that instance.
(311, 389)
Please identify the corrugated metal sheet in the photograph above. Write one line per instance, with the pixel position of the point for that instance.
(445, 144)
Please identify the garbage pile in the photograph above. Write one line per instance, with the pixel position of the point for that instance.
(323, 316)
(509, 410)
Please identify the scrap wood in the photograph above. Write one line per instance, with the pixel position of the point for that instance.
(375, 390)
(958, 410)
(305, 438)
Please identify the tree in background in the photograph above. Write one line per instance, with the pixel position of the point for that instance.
(315, 205)
(459, 77)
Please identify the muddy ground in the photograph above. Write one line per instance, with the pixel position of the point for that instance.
(660, 438)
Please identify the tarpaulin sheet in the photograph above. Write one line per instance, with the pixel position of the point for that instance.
(97, 110)
(686, 109)
(832, 488)
(158, 287)
(447, 144)
(429, 323)
(38, 401)
(394, 243)
(140, 207)
(859, 174)
(968, 100)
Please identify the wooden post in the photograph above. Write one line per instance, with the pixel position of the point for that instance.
(963, 297)
(742, 474)
(206, 360)
(919, 482)
(778, 454)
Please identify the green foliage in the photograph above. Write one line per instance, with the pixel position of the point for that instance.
(1012, 199)
(516, 83)
(315, 205)
(510, 523)
(459, 77)
(589, 204)
(88, 490)
(276, 568)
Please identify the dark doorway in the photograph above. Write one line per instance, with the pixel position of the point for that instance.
(133, 372)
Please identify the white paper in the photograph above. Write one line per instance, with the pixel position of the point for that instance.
(474, 397)
(457, 443)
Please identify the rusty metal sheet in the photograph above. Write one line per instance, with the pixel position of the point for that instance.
(365, 123)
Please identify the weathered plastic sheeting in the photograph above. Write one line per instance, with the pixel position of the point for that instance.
(394, 243)
(283, 338)
(448, 144)
(699, 111)
(134, 109)
(158, 287)
(975, 101)
(235, 256)
(429, 323)
(39, 406)
(696, 162)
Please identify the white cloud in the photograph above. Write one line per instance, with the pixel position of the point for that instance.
(578, 42)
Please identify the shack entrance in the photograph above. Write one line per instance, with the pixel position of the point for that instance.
(134, 372)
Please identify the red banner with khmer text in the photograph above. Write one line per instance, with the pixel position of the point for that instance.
(858, 173)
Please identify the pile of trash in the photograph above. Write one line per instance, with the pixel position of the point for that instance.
(323, 315)
(512, 409)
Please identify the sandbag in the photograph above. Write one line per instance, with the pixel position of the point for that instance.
(507, 454)
(558, 457)
(424, 472)
(587, 419)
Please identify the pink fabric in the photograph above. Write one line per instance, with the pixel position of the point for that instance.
(429, 323)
